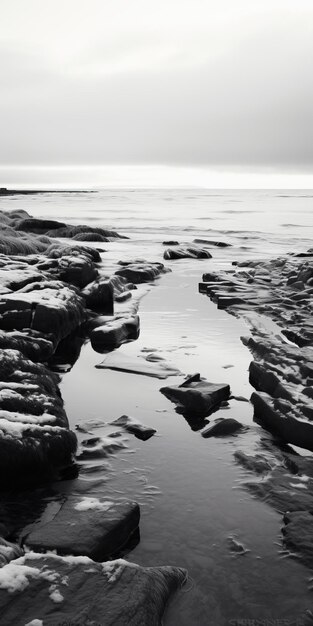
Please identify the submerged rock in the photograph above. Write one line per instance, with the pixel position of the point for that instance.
(222, 427)
(137, 365)
(197, 396)
(186, 252)
(86, 526)
(298, 534)
(100, 447)
(76, 590)
(133, 426)
(257, 463)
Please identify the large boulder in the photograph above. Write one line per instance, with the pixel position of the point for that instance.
(51, 590)
(86, 526)
(197, 396)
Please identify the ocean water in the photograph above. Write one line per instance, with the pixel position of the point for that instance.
(190, 489)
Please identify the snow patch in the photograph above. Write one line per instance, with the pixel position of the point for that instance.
(87, 504)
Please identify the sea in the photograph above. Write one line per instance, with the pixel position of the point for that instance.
(192, 493)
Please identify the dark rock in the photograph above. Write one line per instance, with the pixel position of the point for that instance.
(113, 333)
(86, 526)
(52, 309)
(290, 429)
(70, 231)
(58, 250)
(31, 343)
(35, 443)
(35, 225)
(141, 271)
(131, 425)
(170, 243)
(76, 590)
(222, 427)
(197, 397)
(99, 296)
(90, 237)
(210, 242)
(186, 252)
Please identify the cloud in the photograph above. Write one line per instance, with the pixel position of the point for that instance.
(181, 82)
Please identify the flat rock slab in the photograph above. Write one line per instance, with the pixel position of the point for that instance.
(222, 428)
(197, 396)
(133, 426)
(87, 526)
(138, 365)
(76, 590)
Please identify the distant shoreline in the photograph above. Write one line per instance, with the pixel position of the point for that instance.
(20, 192)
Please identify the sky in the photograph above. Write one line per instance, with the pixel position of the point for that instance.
(224, 85)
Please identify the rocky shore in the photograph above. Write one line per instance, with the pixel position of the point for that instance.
(275, 298)
(62, 543)
(55, 295)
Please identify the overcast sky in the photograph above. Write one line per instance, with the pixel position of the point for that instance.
(190, 82)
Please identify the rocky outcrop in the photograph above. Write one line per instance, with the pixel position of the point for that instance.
(186, 252)
(76, 590)
(35, 442)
